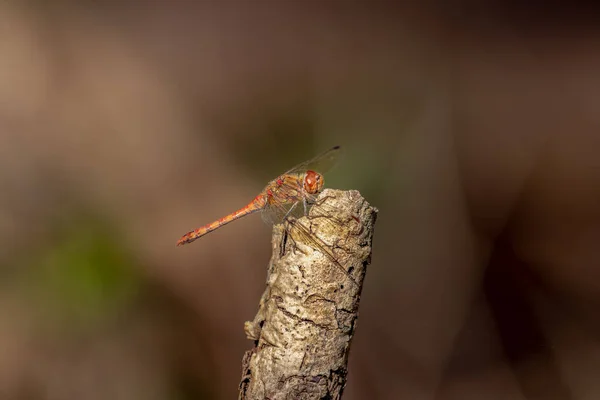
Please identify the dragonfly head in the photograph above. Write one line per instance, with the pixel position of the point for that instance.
(313, 182)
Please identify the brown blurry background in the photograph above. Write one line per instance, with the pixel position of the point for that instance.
(472, 126)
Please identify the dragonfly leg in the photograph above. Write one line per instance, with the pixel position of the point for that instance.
(283, 242)
(290, 210)
(288, 226)
(322, 200)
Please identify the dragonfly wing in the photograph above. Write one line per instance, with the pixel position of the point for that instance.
(297, 230)
(321, 163)
(292, 207)
(275, 213)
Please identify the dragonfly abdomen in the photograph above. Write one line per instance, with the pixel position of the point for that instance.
(257, 204)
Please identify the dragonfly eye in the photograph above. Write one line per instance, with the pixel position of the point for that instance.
(320, 182)
(313, 182)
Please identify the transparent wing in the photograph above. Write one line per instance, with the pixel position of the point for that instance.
(321, 163)
(290, 211)
(299, 231)
(276, 213)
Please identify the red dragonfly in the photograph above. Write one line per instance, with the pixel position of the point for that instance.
(290, 194)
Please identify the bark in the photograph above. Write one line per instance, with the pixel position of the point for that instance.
(308, 312)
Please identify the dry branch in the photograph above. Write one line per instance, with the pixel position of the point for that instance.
(307, 314)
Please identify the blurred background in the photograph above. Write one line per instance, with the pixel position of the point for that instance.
(472, 126)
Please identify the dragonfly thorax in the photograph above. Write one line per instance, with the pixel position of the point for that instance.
(313, 182)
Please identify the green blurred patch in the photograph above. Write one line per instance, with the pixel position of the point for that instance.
(84, 273)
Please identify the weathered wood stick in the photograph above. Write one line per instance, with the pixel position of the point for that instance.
(307, 314)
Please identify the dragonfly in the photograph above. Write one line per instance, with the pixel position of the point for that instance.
(289, 195)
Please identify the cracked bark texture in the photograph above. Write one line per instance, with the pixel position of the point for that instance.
(308, 312)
